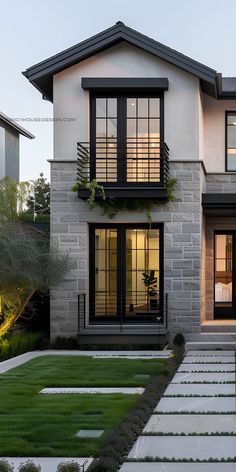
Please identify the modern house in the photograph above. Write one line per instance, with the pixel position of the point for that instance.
(10, 133)
(131, 115)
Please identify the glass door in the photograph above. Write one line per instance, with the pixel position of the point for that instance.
(125, 273)
(224, 283)
(142, 273)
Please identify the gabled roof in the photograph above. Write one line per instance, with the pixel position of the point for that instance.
(5, 119)
(41, 74)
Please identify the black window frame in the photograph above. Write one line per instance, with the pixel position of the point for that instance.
(121, 269)
(122, 134)
(227, 113)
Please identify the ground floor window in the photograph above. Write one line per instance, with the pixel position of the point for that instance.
(126, 272)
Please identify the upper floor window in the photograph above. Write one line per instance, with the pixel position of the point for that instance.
(126, 133)
(231, 141)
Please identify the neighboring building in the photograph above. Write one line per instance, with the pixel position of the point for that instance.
(9, 147)
(129, 95)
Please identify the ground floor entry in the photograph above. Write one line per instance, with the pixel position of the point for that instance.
(225, 274)
(126, 273)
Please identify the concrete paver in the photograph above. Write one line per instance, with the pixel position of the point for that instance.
(177, 467)
(190, 424)
(200, 389)
(208, 377)
(92, 390)
(184, 447)
(197, 404)
(207, 368)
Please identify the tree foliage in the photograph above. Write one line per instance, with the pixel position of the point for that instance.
(28, 263)
(39, 197)
(12, 197)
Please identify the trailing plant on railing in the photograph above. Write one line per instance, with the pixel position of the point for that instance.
(113, 205)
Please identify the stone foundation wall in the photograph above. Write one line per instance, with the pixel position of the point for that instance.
(182, 218)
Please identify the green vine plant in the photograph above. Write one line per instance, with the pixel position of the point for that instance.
(113, 205)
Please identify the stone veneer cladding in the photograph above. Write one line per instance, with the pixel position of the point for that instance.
(182, 245)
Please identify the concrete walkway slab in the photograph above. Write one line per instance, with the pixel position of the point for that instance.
(207, 368)
(215, 377)
(177, 467)
(28, 356)
(189, 447)
(197, 404)
(209, 359)
(92, 390)
(190, 424)
(207, 352)
(49, 464)
(200, 389)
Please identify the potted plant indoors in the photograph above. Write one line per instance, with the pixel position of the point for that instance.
(150, 282)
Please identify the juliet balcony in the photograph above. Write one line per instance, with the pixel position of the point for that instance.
(140, 168)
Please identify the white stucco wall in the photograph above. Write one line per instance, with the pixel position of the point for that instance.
(182, 100)
(2, 152)
(214, 132)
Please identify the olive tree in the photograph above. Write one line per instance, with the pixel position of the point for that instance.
(28, 263)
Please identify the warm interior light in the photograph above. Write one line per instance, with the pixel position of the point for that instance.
(234, 123)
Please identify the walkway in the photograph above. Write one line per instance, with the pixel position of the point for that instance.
(194, 421)
(18, 360)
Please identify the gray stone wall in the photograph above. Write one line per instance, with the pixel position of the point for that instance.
(182, 245)
(221, 183)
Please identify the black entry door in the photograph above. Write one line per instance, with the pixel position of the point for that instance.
(225, 275)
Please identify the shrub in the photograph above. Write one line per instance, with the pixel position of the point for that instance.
(5, 466)
(179, 340)
(29, 466)
(104, 465)
(68, 467)
(62, 342)
(18, 344)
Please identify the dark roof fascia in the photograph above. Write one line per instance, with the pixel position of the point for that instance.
(44, 71)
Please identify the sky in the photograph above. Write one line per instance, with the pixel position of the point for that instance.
(31, 31)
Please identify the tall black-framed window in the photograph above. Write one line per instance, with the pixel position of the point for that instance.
(126, 272)
(126, 135)
(230, 141)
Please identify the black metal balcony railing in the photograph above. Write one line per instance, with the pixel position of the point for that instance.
(150, 314)
(141, 161)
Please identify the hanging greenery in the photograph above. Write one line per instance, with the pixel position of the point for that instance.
(113, 205)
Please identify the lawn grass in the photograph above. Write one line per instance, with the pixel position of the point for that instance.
(45, 425)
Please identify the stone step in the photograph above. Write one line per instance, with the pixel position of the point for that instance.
(227, 328)
(177, 467)
(211, 342)
(197, 404)
(185, 447)
(190, 424)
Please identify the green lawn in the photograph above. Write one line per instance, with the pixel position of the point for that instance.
(45, 425)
